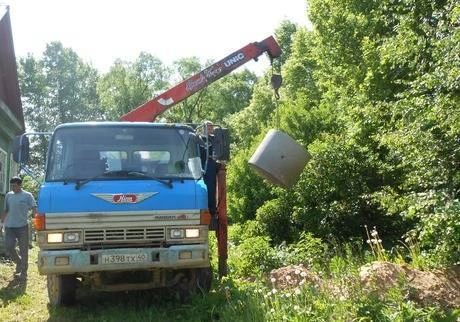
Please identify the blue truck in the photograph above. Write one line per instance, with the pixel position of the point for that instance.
(123, 208)
(129, 205)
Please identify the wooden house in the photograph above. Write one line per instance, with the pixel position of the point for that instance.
(11, 114)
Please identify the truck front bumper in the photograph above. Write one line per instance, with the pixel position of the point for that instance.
(70, 261)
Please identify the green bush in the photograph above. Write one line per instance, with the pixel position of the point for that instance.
(252, 257)
(243, 198)
(30, 185)
(237, 233)
(275, 221)
(308, 250)
(438, 230)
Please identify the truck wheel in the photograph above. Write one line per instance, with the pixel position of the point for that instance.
(61, 289)
(193, 281)
(203, 279)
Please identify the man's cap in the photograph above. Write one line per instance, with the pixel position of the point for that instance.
(16, 180)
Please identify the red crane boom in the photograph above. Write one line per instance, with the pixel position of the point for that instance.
(151, 109)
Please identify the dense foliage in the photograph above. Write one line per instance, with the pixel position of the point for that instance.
(56, 89)
(130, 84)
(373, 93)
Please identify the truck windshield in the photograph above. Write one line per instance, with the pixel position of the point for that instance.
(84, 152)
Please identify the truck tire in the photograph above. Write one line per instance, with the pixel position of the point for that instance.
(61, 289)
(203, 280)
(194, 281)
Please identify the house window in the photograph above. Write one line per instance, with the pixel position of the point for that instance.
(3, 172)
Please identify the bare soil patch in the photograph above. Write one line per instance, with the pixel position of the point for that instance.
(440, 287)
(437, 287)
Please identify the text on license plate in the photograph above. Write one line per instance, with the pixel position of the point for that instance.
(124, 258)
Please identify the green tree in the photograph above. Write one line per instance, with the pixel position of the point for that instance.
(56, 88)
(230, 95)
(128, 85)
(249, 122)
(372, 92)
(189, 110)
(284, 36)
(246, 191)
(215, 102)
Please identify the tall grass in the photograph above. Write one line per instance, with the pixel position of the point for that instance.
(234, 298)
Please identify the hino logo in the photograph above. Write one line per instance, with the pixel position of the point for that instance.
(124, 197)
(233, 60)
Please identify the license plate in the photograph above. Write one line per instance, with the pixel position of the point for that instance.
(124, 258)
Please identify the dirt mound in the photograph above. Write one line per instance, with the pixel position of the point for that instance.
(440, 287)
(292, 276)
(436, 287)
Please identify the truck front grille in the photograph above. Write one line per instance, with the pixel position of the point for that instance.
(124, 234)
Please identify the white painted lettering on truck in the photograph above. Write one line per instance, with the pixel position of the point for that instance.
(233, 60)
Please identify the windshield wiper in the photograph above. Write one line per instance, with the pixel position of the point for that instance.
(122, 173)
(143, 175)
(81, 182)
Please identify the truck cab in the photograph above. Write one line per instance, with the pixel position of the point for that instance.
(123, 207)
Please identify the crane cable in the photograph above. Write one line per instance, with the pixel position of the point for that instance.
(276, 81)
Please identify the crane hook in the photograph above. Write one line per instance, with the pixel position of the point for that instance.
(276, 81)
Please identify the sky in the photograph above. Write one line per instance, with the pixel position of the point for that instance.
(100, 31)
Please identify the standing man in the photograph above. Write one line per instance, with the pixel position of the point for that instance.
(18, 203)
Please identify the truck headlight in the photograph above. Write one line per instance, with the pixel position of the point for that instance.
(177, 233)
(54, 238)
(71, 237)
(67, 237)
(192, 233)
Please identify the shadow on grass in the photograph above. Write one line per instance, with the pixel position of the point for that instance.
(154, 305)
(13, 290)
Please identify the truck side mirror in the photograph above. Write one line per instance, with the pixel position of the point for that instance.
(21, 149)
(221, 144)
